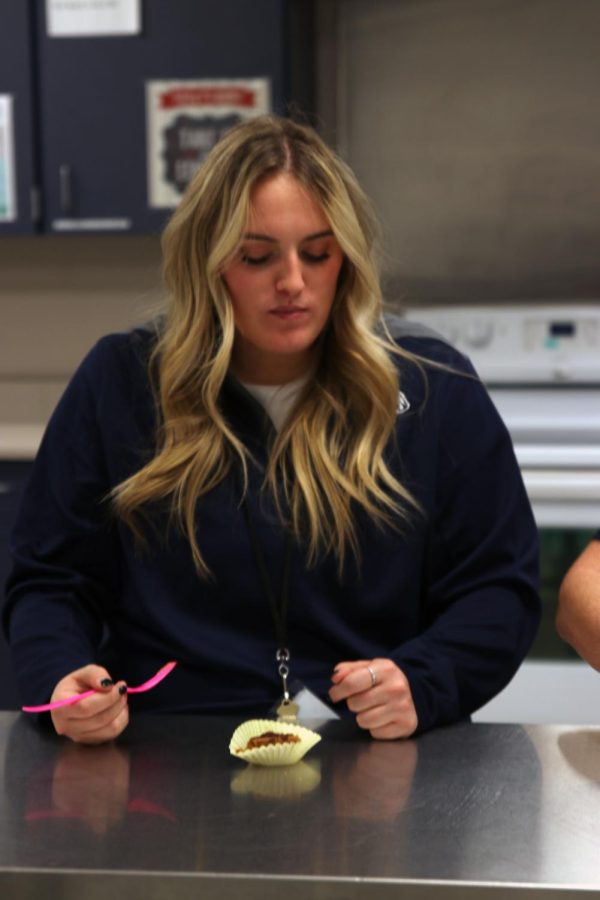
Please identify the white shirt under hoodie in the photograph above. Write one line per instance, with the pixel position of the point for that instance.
(277, 399)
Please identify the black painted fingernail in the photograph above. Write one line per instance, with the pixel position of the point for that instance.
(123, 689)
(107, 682)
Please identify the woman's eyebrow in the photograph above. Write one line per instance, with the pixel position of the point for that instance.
(254, 236)
(319, 234)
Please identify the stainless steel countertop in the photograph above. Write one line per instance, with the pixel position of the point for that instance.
(463, 812)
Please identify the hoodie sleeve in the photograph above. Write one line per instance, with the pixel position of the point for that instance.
(65, 554)
(481, 607)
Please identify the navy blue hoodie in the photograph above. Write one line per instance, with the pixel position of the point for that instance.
(451, 597)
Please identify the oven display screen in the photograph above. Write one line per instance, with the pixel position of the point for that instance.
(561, 329)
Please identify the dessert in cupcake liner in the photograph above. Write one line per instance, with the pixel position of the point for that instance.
(277, 782)
(271, 754)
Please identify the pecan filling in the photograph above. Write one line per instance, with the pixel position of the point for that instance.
(268, 738)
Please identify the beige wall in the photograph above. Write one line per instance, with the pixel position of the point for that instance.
(473, 125)
(58, 295)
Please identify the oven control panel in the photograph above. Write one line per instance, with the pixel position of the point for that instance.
(522, 344)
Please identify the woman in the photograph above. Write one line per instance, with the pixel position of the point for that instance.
(266, 472)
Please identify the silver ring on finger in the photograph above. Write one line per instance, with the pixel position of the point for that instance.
(373, 675)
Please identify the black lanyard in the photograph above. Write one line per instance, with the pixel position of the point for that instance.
(278, 603)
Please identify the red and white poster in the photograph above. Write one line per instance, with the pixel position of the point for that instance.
(185, 119)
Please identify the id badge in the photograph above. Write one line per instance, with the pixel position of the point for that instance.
(309, 706)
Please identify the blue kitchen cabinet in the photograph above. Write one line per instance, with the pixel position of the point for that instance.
(87, 97)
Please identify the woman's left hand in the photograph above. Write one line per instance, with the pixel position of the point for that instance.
(379, 693)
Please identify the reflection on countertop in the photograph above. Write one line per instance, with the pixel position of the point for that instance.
(581, 749)
(476, 804)
(168, 795)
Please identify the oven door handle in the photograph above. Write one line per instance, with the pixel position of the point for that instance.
(555, 484)
(558, 456)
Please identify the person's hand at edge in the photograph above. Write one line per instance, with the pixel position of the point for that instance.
(379, 694)
(96, 719)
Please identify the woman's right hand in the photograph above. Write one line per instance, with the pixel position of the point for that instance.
(96, 719)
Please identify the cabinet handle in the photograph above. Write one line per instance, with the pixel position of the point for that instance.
(35, 202)
(65, 188)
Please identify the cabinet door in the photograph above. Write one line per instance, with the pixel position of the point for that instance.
(17, 141)
(93, 100)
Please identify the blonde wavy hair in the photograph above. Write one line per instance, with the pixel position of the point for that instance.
(327, 462)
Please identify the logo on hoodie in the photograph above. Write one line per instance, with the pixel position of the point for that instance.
(403, 403)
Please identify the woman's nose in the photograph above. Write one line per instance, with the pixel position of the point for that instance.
(290, 278)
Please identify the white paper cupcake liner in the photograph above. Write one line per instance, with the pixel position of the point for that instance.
(272, 754)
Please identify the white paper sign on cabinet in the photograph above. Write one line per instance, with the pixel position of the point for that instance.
(93, 18)
(8, 200)
(185, 119)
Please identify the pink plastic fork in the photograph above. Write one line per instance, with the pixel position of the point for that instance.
(75, 698)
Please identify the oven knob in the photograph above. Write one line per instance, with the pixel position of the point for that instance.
(479, 334)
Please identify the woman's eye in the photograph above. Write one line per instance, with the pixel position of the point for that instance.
(314, 258)
(255, 260)
(250, 259)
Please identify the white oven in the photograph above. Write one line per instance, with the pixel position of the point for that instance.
(541, 365)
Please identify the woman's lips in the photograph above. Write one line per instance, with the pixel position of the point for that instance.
(289, 313)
